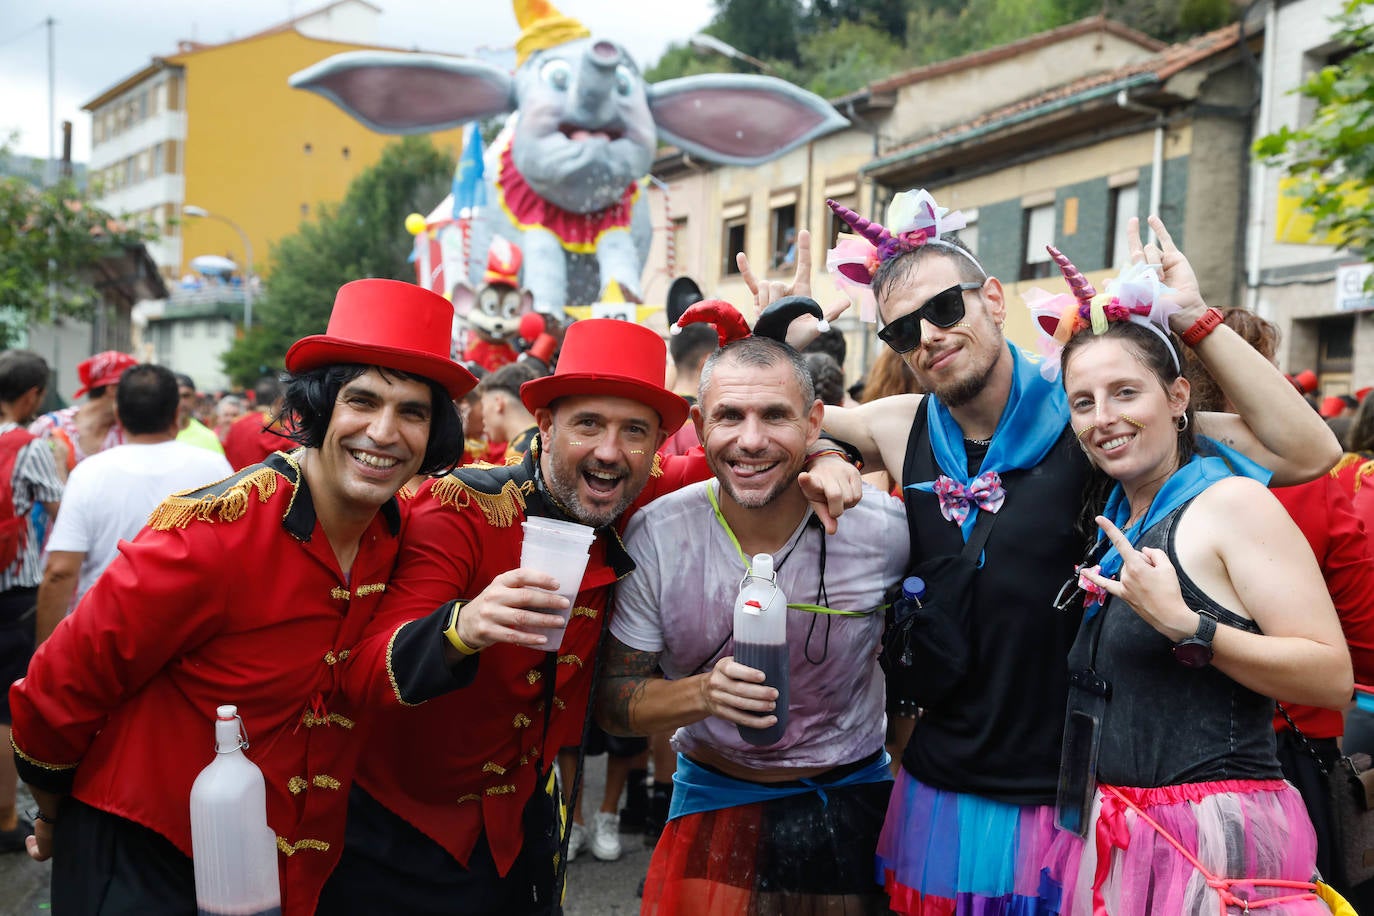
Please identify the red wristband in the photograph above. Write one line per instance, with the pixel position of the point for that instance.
(1202, 327)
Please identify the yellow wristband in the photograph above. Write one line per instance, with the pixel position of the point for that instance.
(451, 634)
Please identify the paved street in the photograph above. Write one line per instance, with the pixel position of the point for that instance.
(594, 888)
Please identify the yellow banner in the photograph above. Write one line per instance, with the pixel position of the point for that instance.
(1294, 226)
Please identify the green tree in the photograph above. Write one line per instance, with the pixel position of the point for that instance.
(766, 29)
(846, 57)
(1333, 156)
(362, 236)
(51, 239)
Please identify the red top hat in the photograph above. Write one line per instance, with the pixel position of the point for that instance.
(390, 324)
(606, 356)
(102, 369)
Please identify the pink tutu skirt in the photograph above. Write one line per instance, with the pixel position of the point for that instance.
(1201, 848)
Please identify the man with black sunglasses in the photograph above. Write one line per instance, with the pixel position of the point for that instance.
(992, 436)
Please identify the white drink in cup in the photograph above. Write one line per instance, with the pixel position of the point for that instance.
(559, 549)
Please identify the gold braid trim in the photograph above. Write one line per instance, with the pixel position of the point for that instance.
(1366, 470)
(52, 767)
(325, 782)
(500, 508)
(180, 510)
(501, 790)
(1347, 460)
(590, 612)
(375, 588)
(296, 785)
(310, 720)
(471, 796)
(288, 848)
(493, 767)
(521, 720)
(570, 659)
(656, 469)
(391, 671)
(532, 676)
(340, 594)
(559, 704)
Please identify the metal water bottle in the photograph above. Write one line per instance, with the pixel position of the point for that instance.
(234, 851)
(761, 641)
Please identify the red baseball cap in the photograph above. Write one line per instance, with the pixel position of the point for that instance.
(1333, 406)
(102, 369)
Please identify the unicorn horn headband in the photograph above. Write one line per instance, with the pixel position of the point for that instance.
(913, 221)
(1136, 296)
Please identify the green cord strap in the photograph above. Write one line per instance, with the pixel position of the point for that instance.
(749, 569)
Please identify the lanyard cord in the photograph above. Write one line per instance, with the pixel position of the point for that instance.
(748, 568)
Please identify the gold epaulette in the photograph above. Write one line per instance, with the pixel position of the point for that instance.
(224, 501)
(501, 506)
(1347, 460)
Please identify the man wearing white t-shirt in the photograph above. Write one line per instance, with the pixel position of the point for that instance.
(110, 495)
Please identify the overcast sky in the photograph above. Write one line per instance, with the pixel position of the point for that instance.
(97, 43)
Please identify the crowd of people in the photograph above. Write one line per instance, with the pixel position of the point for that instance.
(1152, 650)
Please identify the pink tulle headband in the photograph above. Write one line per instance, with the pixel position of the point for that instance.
(915, 222)
(1137, 295)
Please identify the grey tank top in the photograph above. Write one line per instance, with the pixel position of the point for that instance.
(1166, 724)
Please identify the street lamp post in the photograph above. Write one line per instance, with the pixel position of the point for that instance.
(202, 213)
(713, 45)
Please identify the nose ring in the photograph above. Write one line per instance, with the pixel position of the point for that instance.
(1085, 430)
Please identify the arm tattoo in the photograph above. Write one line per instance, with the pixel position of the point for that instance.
(627, 672)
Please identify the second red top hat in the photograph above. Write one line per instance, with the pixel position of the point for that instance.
(606, 356)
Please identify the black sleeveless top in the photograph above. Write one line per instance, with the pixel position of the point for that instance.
(1000, 736)
(1166, 724)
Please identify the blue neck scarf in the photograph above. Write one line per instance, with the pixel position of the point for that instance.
(1185, 483)
(1036, 413)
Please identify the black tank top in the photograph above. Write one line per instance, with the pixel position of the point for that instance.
(1000, 736)
(1166, 724)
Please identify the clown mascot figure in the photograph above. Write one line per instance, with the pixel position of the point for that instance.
(491, 315)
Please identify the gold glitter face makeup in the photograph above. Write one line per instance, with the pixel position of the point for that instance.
(1133, 421)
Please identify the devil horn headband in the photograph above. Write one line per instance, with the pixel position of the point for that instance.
(773, 321)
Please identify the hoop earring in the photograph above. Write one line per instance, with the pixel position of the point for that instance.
(1181, 423)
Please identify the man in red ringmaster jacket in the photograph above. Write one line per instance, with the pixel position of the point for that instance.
(255, 591)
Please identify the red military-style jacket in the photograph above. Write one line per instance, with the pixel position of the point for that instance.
(470, 761)
(231, 595)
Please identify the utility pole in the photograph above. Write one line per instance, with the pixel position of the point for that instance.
(52, 102)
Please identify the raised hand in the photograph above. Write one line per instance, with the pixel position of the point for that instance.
(1175, 271)
(767, 292)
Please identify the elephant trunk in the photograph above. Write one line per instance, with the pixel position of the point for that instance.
(596, 78)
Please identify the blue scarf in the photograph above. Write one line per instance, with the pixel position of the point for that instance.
(1035, 416)
(1185, 483)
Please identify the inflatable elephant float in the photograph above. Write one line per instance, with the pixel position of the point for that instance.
(565, 174)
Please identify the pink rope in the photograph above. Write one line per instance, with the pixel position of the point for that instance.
(1115, 834)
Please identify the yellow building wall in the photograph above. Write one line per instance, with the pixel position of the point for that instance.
(246, 137)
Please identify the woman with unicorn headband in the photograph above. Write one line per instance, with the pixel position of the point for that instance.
(1202, 601)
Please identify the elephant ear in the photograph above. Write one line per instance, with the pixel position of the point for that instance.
(739, 119)
(394, 92)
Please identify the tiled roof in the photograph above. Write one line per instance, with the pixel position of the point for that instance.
(1015, 48)
(1155, 69)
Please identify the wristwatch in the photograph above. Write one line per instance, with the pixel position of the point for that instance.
(1196, 650)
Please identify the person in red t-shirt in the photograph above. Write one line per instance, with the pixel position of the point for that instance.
(1327, 517)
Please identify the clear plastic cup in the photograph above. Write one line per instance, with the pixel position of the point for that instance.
(559, 549)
